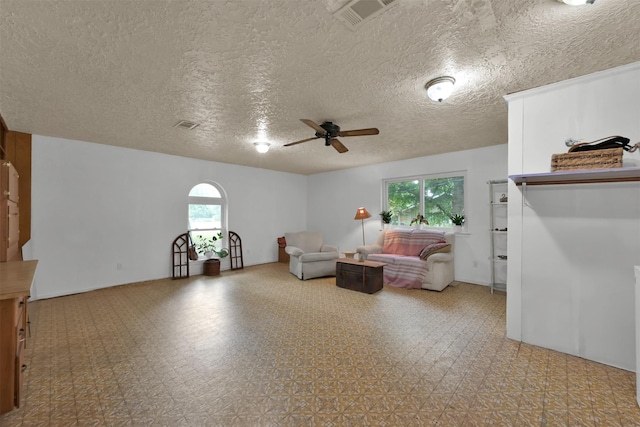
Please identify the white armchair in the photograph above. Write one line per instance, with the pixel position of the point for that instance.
(309, 257)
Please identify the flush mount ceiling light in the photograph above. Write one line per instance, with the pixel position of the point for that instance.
(440, 88)
(262, 147)
(577, 2)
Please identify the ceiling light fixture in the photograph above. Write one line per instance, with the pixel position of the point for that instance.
(577, 2)
(440, 88)
(262, 147)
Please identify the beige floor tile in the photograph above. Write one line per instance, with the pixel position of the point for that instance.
(555, 417)
(629, 416)
(607, 417)
(583, 418)
(257, 347)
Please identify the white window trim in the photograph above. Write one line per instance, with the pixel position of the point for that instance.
(421, 179)
(222, 201)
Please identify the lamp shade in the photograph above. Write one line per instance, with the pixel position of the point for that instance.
(362, 213)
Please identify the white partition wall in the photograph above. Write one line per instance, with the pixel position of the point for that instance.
(572, 247)
(637, 269)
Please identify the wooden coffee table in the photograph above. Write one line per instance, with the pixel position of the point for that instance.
(361, 276)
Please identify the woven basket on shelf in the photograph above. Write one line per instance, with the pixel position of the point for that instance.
(581, 160)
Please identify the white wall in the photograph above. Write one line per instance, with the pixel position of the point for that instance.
(572, 248)
(95, 207)
(334, 197)
(104, 216)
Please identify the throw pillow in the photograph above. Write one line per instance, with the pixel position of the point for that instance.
(435, 248)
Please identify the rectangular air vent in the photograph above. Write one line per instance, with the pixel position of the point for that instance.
(358, 11)
(186, 124)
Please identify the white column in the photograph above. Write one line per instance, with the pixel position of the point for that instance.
(637, 333)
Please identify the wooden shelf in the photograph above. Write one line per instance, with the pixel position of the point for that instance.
(578, 177)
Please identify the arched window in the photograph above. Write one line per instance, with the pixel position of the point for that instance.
(207, 213)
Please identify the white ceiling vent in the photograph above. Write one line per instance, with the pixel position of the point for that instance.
(358, 11)
(186, 124)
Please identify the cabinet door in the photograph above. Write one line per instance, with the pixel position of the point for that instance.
(9, 182)
(19, 369)
(4, 180)
(8, 347)
(13, 230)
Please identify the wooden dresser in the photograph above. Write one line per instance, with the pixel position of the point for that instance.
(16, 278)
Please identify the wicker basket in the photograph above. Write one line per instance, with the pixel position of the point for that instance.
(211, 267)
(581, 160)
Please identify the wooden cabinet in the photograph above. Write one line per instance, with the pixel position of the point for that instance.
(283, 256)
(15, 285)
(10, 182)
(10, 218)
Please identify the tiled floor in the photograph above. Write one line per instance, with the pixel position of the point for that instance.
(258, 347)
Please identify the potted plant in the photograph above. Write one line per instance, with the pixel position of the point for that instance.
(418, 221)
(208, 247)
(458, 221)
(386, 218)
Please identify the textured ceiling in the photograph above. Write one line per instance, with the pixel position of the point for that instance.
(124, 72)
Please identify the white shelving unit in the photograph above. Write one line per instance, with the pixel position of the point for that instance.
(498, 230)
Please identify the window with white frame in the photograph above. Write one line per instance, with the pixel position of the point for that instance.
(436, 197)
(207, 212)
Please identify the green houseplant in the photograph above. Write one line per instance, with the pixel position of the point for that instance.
(457, 219)
(208, 247)
(419, 220)
(386, 217)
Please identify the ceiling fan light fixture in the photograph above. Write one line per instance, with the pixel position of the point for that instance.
(262, 147)
(440, 88)
(577, 2)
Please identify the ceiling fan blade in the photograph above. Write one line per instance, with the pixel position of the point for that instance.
(338, 146)
(312, 124)
(359, 132)
(299, 142)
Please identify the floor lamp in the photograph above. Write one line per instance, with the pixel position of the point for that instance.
(361, 214)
